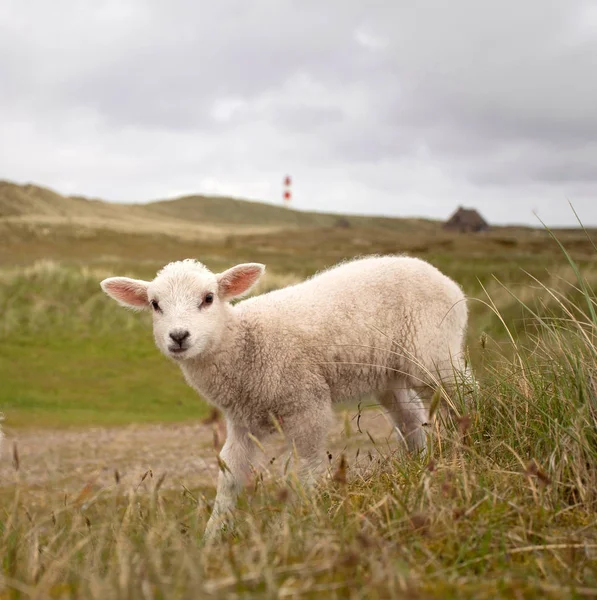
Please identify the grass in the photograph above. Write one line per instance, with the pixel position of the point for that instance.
(504, 508)
(92, 362)
(32, 200)
(67, 359)
(129, 383)
(95, 363)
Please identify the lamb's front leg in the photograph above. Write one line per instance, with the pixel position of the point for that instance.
(307, 433)
(235, 462)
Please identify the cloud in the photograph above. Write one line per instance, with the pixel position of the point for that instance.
(396, 108)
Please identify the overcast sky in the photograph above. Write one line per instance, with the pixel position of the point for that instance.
(386, 107)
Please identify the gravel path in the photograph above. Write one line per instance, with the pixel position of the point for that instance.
(67, 460)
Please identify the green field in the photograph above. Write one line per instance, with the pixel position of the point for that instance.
(70, 356)
(95, 363)
(505, 507)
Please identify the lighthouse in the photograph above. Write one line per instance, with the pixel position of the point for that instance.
(287, 191)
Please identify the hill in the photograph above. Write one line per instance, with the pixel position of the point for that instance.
(36, 223)
(35, 203)
(240, 213)
(21, 200)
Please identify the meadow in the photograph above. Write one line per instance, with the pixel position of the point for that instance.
(504, 507)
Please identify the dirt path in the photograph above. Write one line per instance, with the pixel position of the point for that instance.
(67, 460)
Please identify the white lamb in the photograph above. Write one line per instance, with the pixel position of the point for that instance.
(391, 325)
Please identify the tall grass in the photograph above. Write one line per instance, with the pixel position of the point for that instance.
(504, 507)
(47, 296)
(70, 356)
(50, 296)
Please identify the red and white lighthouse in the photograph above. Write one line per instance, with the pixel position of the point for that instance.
(287, 190)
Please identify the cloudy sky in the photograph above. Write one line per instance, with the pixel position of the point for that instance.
(386, 107)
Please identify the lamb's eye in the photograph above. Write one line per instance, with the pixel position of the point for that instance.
(209, 298)
(155, 305)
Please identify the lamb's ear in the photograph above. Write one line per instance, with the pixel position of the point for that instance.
(131, 293)
(237, 281)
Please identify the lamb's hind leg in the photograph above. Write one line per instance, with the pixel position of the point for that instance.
(408, 413)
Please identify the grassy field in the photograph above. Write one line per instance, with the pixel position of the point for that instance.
(68, 356)
(505, 507)
(95, 363)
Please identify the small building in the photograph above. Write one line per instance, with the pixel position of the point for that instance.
(466, 220)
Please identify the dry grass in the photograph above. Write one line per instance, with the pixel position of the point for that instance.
(70, 458)
(505, 507)
(41, 211)
(36, 222)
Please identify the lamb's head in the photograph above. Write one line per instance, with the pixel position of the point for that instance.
(189, 303)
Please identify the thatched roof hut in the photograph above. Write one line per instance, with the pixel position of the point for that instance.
(466, 220)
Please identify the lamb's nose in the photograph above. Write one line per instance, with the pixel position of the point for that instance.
(179, 336)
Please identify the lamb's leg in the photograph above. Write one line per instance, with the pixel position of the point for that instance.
(307, 434)
(235, 462)
(408, 413)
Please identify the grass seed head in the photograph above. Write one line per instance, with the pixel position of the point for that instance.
(420, 522)
(340, 476)
(15, 457)
(533, 470)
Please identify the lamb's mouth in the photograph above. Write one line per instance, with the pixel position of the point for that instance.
(177, 350)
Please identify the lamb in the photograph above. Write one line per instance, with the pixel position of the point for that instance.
(388, 325)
